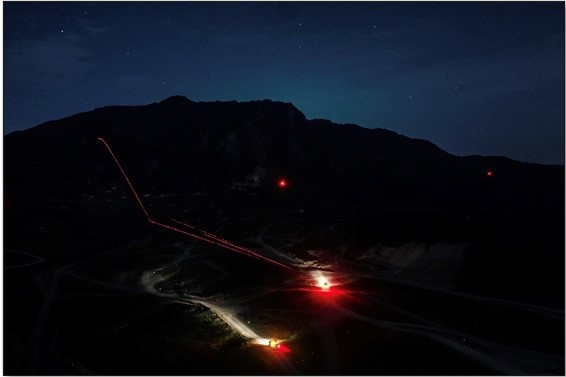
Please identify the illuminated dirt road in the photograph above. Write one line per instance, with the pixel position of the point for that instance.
(360, 317)
(151, 278)
(341, 304)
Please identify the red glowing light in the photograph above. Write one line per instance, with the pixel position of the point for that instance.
(282, 183)
(489, 173)
(280, 347)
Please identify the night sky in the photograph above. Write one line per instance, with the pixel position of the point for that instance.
(474, 78)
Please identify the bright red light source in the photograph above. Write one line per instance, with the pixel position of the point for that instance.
(489, 173)
(282, 183)
(278, 346)
(282, 348)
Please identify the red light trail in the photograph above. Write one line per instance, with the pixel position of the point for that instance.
(125, 176)
(229, 245)
(204, 236)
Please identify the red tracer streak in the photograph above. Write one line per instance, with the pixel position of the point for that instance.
(204, 236)
(125, 176)
(225, 243)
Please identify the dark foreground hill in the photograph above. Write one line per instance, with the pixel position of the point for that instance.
(394, 189)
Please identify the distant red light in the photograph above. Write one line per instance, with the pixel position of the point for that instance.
(282, 183)
(489, 173)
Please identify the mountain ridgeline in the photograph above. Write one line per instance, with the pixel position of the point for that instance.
(392, 184)
(179, 145)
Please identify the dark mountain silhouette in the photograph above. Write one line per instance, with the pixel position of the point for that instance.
(179, 144)
(398, 185)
